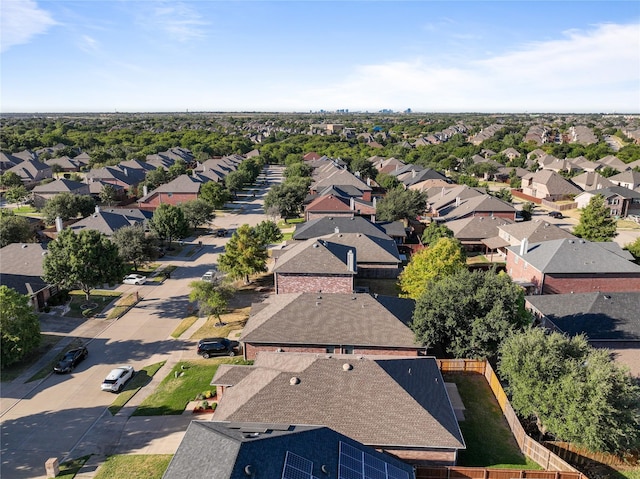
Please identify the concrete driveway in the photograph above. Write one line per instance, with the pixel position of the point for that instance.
(65, 416)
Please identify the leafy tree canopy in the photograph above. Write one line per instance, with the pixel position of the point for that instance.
(19, 326)
(134, 245)
(287, 197)
(212, 297)
(235, 180)
(634, 249)
(169, 222)
(596, 222)
(67, 205)
(215, 194)
(268, 232)
(244, 254)
(434, 231)
(387, 181)
(85, 260)
(16, 194)
(400, 204)
(298, 168)
(14, 229)
(108, 194)
(9, 179)
(469, 313)
(364, 167)
(575, 392)
(444, 257)
(197, 212)
(155, 178)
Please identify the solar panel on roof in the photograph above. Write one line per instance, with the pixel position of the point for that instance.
(356, 464)
(297, 467)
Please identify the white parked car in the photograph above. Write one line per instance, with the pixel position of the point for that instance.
(117, 378)
(134, 279)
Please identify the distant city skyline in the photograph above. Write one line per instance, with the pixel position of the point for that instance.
(300, 56)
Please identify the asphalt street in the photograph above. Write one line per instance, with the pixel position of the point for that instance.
(65, 416)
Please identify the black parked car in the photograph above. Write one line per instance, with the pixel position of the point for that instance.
(556, 214)
(70, 360)
(221, 232)
(208, 347)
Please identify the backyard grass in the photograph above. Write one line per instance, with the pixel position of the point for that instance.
(24, 210)
(489, 440)
(185, 381)
(99, 299)
(146, 268)
(134, 466)
(287, 236)
(47, 341)
(232, 321)
(141, 379)
(69, 469)
(288, 222)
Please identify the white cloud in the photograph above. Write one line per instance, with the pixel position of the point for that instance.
(21, 20)
(179, 21)
(595, 70)
(88, 44)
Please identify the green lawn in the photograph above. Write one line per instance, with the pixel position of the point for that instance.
(186, 380)
(134, 466)
(69, 469)
(141, 379)
(99, 299)
(489, 440)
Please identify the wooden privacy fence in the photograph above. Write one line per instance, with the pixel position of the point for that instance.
(529, 447)
(455, 472)
(578, 455)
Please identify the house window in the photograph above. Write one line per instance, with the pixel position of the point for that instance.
(614, 212)
(347, 350)
(330, 349)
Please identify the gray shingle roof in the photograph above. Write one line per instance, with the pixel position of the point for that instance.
(369, 249)
(315, 256)
(21, 264)
(333, 319)
(376, 401)
(328, 224)
(601, 316)
(577, 256)
(536, 231)
(60, 186)
(222, 450)
(477, 227)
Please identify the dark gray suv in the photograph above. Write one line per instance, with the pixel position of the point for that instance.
(209, 347)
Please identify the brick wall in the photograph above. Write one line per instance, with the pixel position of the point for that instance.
(306, 283)
(436, 457)
(520, 270)
(618, 283)
(169, 199)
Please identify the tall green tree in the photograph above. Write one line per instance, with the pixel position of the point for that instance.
(442, 258)
(434, 231)
(299, 168)
(469, 313)
(244, 255)
(268, 232)
(215, 194)
(108, 194)
(573, 391)
(155, 178)
(16, 194)
(197, 212)
(235, 180)
(9, 179)
(287, 197)
(67, 205)
(169, 223)
(19, 326)
(14, 229)
(212, 297)
(401, 204)
(387, 181)
(134, 245)
(634, 249)
(363, 167)
(596, 222)
(85, 260)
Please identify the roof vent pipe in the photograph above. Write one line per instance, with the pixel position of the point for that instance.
(351, 261)
(524, 246)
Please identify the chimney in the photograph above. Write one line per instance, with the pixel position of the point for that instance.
(375, 201)
(524, 246)
(351, 263)
(145, 190)
(59, 224)
(413, 173)
(442, 192)
(457, 201)
(352, 204)
(97, 209)
(126, 171)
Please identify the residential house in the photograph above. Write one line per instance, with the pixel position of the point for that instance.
(376, 256)
(473, 231)
(43, 193)
(179, 190)
(7, 161)
(572, 266)
(315, 265)
(582, 134)
(613, 162)
(127, 178)
(620, 200)
(534, 231)
(342, 224)
(110, 220)
(463, 201)
(550, 162)
(335, 204)
(583, 164)
(96, 186)
(226, 450)
(66, 164)
(629, 179)
(548, 185)
(591, 181)
(331, 323)
(609, 320)
(339, 177)
(21, 269)
(511, 153)
(398, 406)
(414, 177)
(32, 172)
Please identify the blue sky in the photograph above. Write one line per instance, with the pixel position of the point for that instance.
(430, 56)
